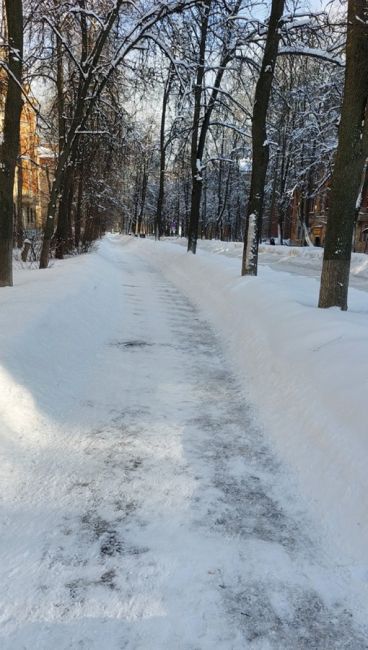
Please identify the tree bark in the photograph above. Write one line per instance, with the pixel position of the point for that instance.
(62, 229)
(161, 191)
(196, 171)
(19, 218)
(260, 146)
(78, 211)
(144, 187)
(352, 152)
(10, 146)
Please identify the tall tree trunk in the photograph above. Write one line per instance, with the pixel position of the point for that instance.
(306, 201)
(197, 156)
(224, 199)
(19, 218)
(195, 206)
(10, 147)
(161, 191)
(220, 201)
(143, 195)
(136, 198)
(273, 206)
(260, 146)
(195, 162)
(87, 234)
(60, 91)
(68, 154)
(51, 212)
(62, 229)
(352, 152)
(78, 211)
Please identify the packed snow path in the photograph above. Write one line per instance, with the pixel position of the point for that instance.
(145, 509)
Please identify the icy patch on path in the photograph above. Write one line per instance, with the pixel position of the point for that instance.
(152, 514)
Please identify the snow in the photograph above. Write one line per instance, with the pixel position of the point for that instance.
(301, 360)
(294, 259)
(311, 51)
(250, 240)
(176, 444)
(198, 176)
(45, 152)
(89, 13)
(245, 165)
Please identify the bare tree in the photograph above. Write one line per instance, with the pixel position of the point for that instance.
(351, 154)
(9, 148)
(260, 145)
(200, 128)
(163, 147)
(94, 74)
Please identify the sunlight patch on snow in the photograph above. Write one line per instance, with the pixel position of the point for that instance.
(359, 265)
(17, 406)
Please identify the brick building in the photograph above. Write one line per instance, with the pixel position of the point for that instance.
(35, 166)
(315, 218)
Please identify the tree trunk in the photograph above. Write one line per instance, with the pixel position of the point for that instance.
(143, 195)
(50, 217)
(62, 229)
(260, 146)
(80, 116)
(78, 211)
(352, 152)
(161, 191)
(195, 206)
(62, 220)
(19, 224)
(197, 149)
(10, 146)
(196, 171)
(273, 206)
(68, 153)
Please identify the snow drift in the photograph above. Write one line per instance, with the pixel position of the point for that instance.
(304, 369)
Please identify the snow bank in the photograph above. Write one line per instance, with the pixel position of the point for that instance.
(49, 325)
(305, 260)
(304, 369)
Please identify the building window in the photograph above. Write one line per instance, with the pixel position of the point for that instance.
(364, 235)
(30, 215)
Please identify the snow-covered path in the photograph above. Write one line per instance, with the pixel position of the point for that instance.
(142, 506)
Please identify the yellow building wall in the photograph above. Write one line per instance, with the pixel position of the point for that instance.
(31, 169)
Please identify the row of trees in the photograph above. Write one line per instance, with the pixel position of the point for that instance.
(247, 106)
